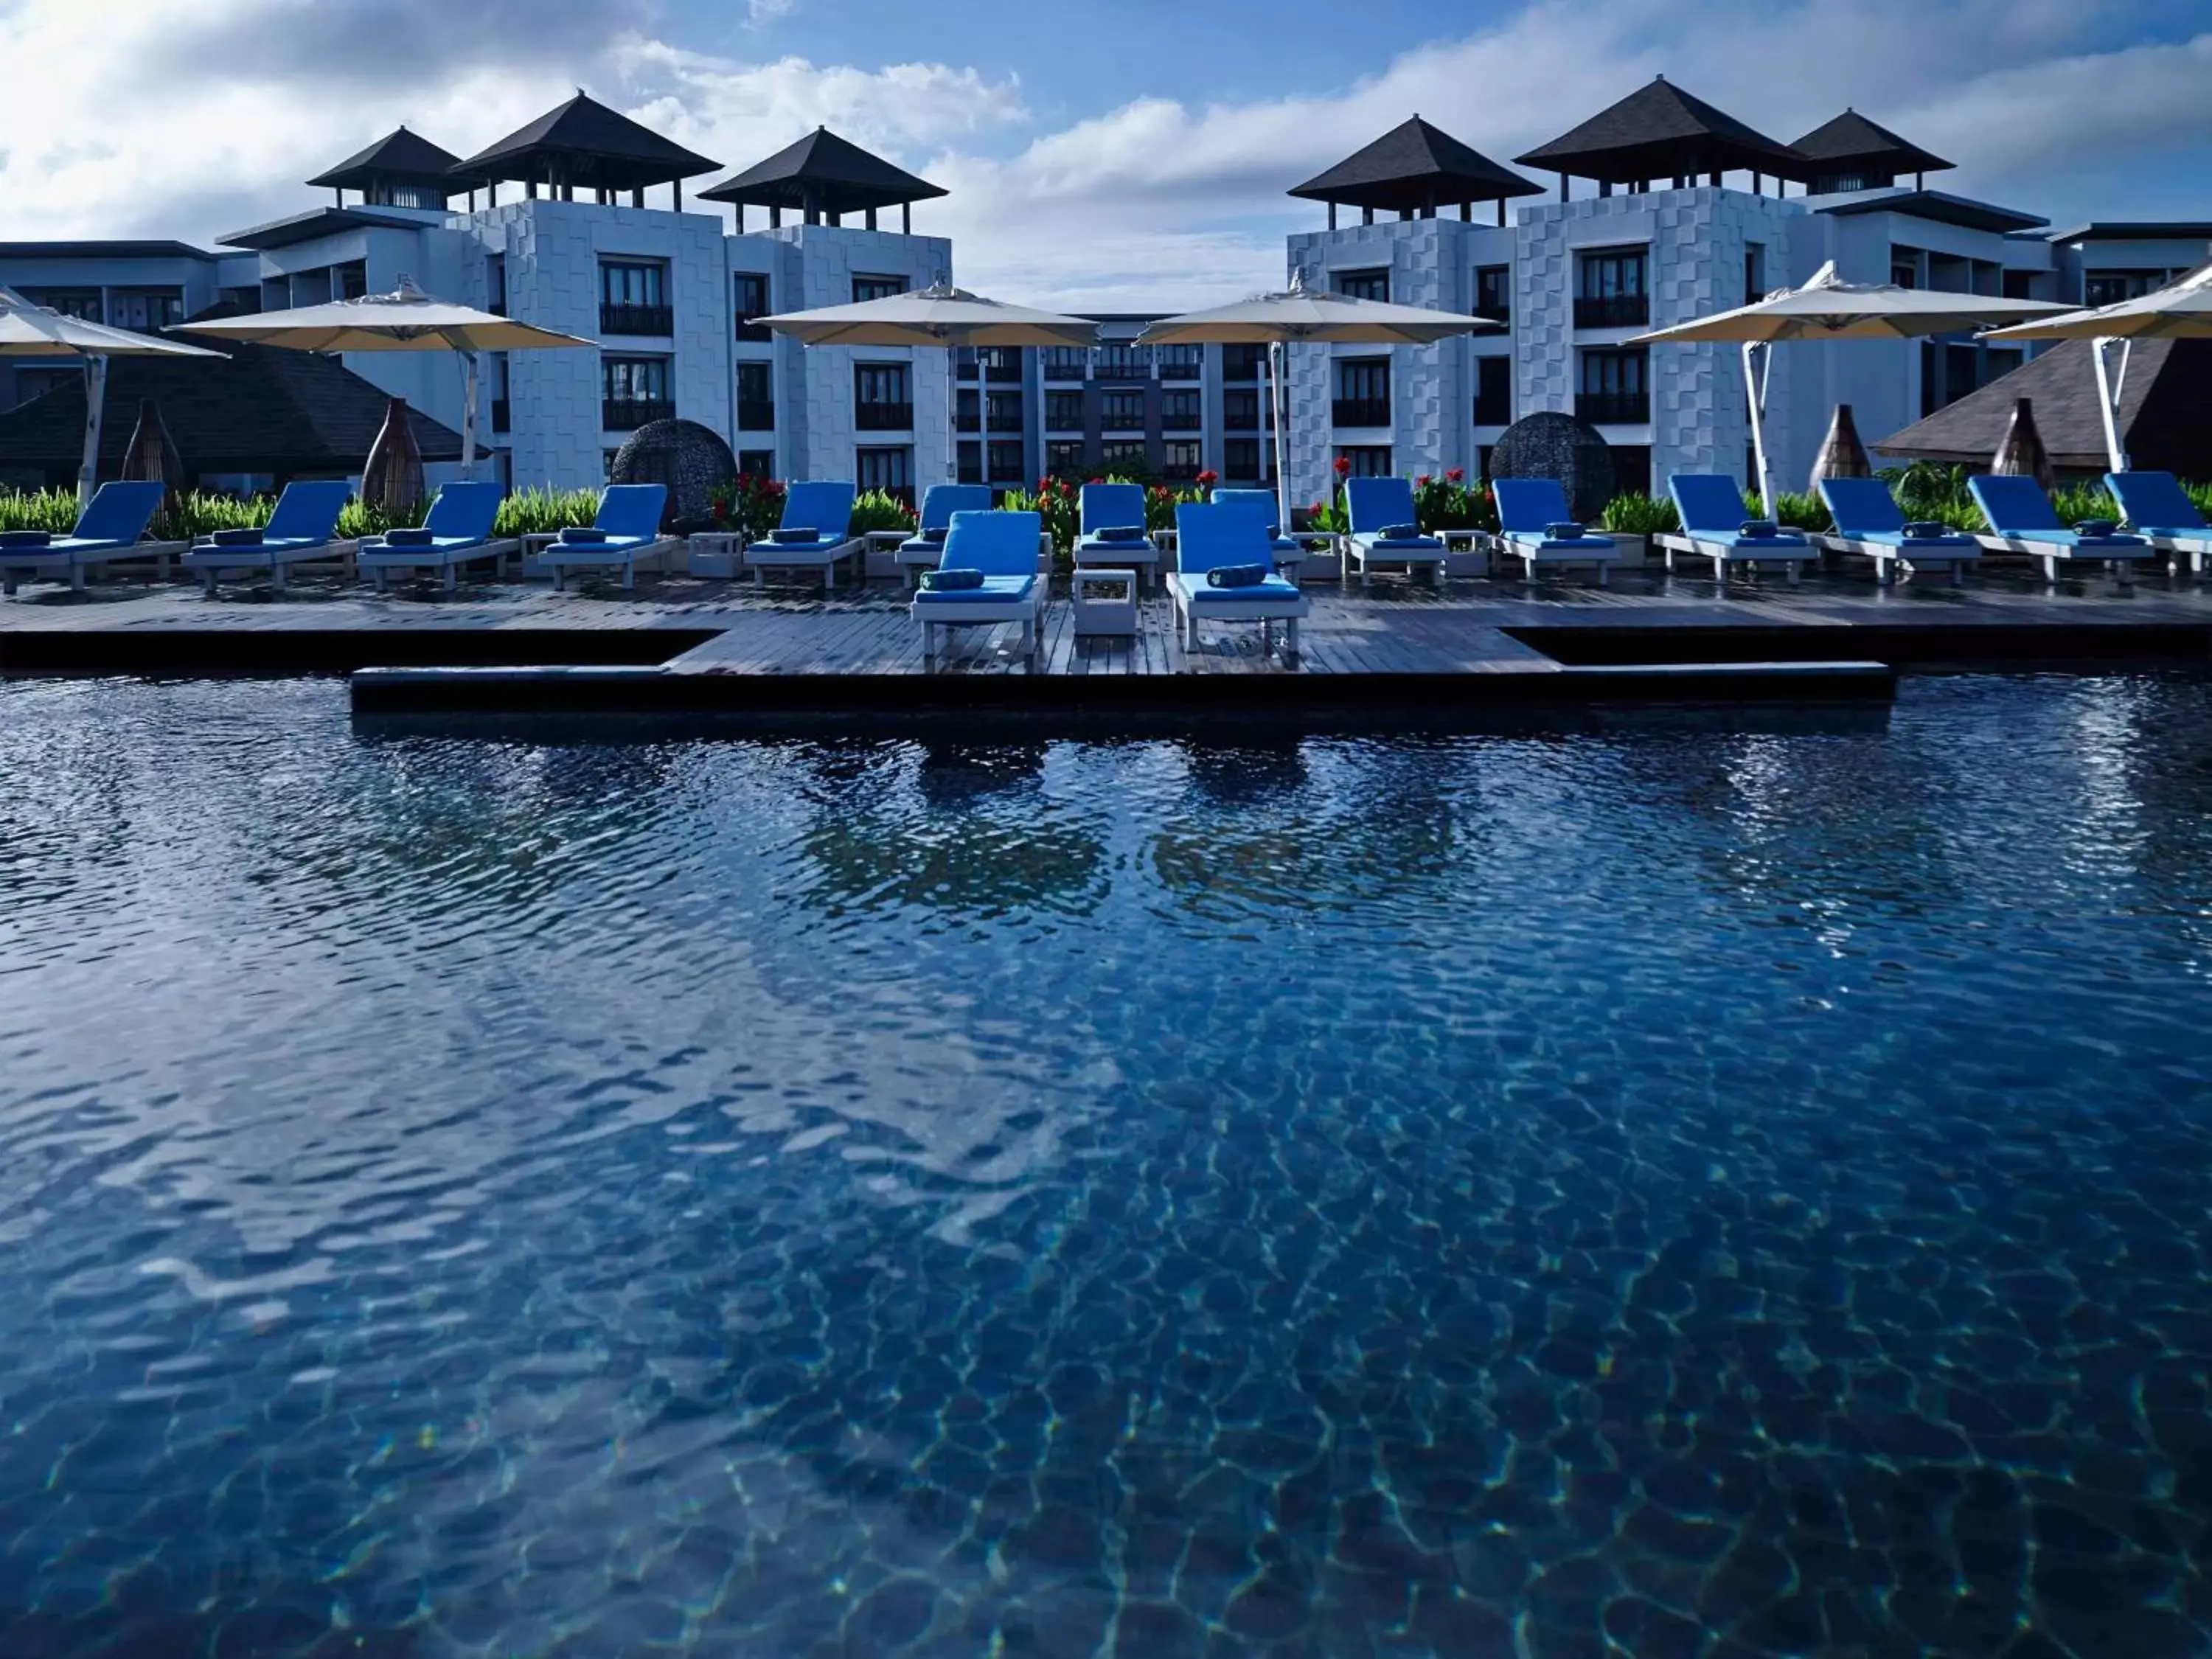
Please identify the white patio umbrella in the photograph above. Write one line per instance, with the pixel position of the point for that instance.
(1829, 308)
(30, 331)
(941, 316)
(2180, 311)
(1296, 317)
(406, 319)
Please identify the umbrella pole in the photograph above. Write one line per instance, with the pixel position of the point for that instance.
(96, 401)
(1754, 390)
(468, 414)
(1276, 351)
(2109, 386)
(952, 414)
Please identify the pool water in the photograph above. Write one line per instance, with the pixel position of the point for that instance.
(1679, 1193)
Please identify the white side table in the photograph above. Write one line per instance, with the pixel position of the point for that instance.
(715, 553)
(1105, 602)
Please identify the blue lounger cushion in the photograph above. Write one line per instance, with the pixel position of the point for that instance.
(926, 541)
(1406, 543)
(16, 538)
(1238, 575)
(992, 589)
(942, 581)
(1274, 588)
(2157, 505)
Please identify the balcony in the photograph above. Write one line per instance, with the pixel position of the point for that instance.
(1360, 411)
(1074, 370)
(1179, 371)
(1179, 472)
(967, 420)
(1613, 408)
(657, 321)
(502, 416)
(1003, 374)
(1111, 422)
(756, 415)
(1614, 311)
(1241, 418)
(1114, 370)
(751, 331)
(884, 417)
(628, 414)
(1005, 420)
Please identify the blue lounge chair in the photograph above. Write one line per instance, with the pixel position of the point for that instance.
(825, 509)
(2158, 509)
(1002, 548)
(108, 530)
(1377, 506)
(1713, 520)
(1107, 513)
(1529, 511)
(625, 529)
(457, 531)
(299, 530)
(1223, 535)
(2022, 520)
(1869, 522)
(922, 550)
(1288, 549)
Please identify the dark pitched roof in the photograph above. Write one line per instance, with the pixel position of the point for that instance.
(826, 173)
(1415, 166)
(260, 408)
(2165, 414)
(585, 142)
(2104, 230)
(1851, 143)
(318, 222)
(113, 250)
(1658, 131)
(400, 155)
(1941, 208)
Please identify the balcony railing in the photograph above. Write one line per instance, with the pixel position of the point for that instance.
(1006, 373)
(884, 417)
(1361, 411)
(753, 331)
(1170, 421)
(500, 416)
(1179, 472)
(659, 321)
(1179, 371)
(1613, 408)
(1112, 423)
(966, 420)
(756, 415)
(1241, 418)
(1005, 420)
(1106, 371)
(1075, 371)
(1614, 311)
(628, 414)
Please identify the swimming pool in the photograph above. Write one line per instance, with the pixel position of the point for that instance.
(1494, 1195)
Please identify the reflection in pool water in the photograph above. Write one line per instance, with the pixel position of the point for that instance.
(1505, 1196)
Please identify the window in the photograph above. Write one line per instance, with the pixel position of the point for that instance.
(1362, 284)
(1904, 267)
(2000, 361)
(1243, 363)
(495, 283)
(1122, 412)
(84, 303)
(1002, 411)
(1179, 411)
(350, 280)
(748, 296)
(1121, 362)
(1609, 289)
(1493, 293)
(1180, 459)
(1240, 459)
(1180, 362)
(1755, 272)
(1493, 391)
(877, 288)
(2019, 285)
(633, 391)
(1118, 457)
(1368, 460)
(1240, 410)
(890, 469)
(1612, 389)
(967, 411)
(756, 398)
(1631, 469)
(1363, 392)
(882, 396)
(756, 463)
(1063, 411)
(1063, 458)
(2106, 287)
(633, 298)
(502, 410)
(145, 309)
(970, 462)
(1006, 462)
(1067, 362)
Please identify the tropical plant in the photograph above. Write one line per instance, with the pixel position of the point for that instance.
(1058, 505)
(2074, 502)
(878, 509)
(51, 510)
(752, 505)
(357, 518)
(1328, 519)
(1637, 515)
(540, 511)
(1793, 510)
(1451, 503)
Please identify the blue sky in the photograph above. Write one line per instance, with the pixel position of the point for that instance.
(1125, 156)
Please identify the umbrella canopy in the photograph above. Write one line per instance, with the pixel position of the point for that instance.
(1296, 316)
(1829, 308)
(29, 330)
(2180, 311)
(406, 319)
(941, 315)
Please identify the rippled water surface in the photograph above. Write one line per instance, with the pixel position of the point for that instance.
(1681, 1192)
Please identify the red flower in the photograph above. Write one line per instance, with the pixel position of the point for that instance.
(1208, 478)
(1456, 475)
(1421, 482)
(1344, 466)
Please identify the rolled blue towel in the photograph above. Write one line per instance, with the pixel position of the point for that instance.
(2096, 527)
(407, 537)
(1759, 530)
(582, 535)
(236, 538)
(951, 581)
(1237, 575)
(1566, 529)
(1927, 530)
(1398, 532)
(26, 537)
(797, 533)
(1119, 532)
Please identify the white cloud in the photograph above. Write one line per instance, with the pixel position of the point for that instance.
(758, 12)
